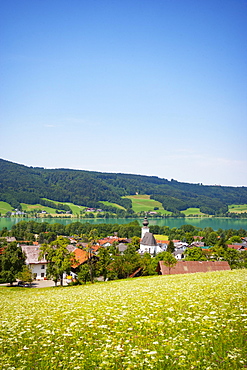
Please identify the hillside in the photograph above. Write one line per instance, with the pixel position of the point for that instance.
(22, 184)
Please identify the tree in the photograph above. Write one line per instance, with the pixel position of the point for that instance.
(124, 265)
(222, 243)
(217, 252)
(12, 262)
(90, 252)
(235, 239)
(233, 258)
(212, 238)
(26, 275)
(84, 273)
(58, 257)
(169, 260)
(170, 247)
(135, 241)
(194, 254)
(104, 261)
(148, 267)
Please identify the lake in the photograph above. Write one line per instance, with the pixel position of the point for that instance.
(214, 223)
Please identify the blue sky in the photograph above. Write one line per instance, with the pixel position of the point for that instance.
(143, 86)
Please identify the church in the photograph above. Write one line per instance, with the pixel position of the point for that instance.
(148, 243)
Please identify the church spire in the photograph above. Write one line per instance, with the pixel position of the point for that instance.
(145, 228)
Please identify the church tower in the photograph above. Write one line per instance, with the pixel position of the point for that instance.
(145, 228)
(148, 243)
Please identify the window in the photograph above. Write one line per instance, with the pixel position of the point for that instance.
(42, 274)
(42, 267)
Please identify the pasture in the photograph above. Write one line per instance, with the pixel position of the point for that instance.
(115, 205)
(237, 208)
(5, 207)
(143, 203)
(193, 212)
(193, 321)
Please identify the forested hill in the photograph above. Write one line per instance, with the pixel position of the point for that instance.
(22, 184)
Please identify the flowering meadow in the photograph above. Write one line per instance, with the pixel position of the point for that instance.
(193, 321)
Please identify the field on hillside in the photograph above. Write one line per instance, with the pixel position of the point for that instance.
(112, 204)
(5, 207)
(143, 203)
(33, 207)
(193, 211)
(194, 321)
(237, 208)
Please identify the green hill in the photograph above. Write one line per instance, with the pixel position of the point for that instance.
(34, 185)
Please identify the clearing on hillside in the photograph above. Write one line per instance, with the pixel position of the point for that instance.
(143, 203)
(237, 208)
(5, 207)
(115, 205)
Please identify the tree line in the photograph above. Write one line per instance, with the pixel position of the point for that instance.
(22, 184)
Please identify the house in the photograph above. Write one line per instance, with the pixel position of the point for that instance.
(121, 247)
(10, 239)
(188, 267)
(37, 266)
(179, 254)
(238, 246)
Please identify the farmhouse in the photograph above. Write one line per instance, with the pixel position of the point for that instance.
(32, 259)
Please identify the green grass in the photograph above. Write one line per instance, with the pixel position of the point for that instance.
(143, 203)
(237, 208)
(30, 207)
(193, 211)
(115, 205)
(33, 207)
(191, 321)
(5, 207)
(75, 209)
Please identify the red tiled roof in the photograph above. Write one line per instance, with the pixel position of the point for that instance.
(235, 246)
(187, 267)
(81, 256)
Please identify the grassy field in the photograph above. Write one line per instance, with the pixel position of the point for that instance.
(237, 208)
(145, 204)
(5, 207)
(112, 204)
(32, 207)
(75, 209)
(193, 211)
(193, 321)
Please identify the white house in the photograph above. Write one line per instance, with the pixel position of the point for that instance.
(32, 260)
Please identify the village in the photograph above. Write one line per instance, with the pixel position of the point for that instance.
(115, 257)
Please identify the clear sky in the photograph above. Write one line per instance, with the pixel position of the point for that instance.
(151, 87)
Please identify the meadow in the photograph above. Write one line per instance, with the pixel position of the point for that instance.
(237, 208)
(194, 321)
(143, 203)
(5, 207)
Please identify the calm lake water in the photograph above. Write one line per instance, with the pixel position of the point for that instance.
(214, 223)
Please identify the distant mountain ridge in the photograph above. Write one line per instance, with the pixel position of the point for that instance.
(22, 184)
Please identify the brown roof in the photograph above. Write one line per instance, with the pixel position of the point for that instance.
(187, 267)
(236, 246)
(32, 254)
